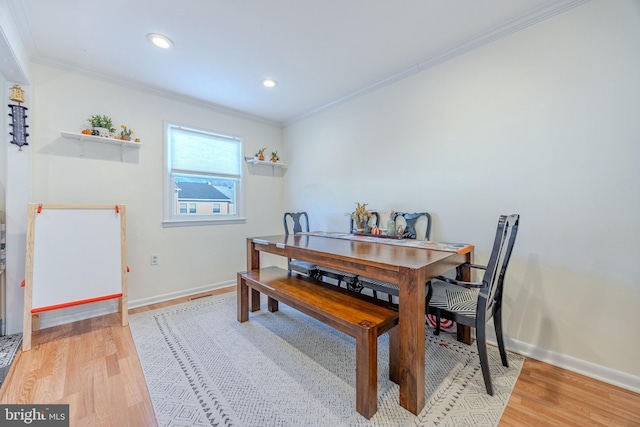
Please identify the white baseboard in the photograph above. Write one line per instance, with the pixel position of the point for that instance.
(592, 370)
(73, 314)
(183, 293)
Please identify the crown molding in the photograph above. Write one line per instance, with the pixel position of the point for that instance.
(152, 90)
(545, 12)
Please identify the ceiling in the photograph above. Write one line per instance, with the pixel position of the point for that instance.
(321, 52)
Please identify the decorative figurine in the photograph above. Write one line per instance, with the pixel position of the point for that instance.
(18, 117)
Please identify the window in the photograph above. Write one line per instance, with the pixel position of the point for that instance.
(203, 178)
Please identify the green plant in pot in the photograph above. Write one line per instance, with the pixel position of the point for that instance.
(125, 133)
(101, 125)
(260, 153)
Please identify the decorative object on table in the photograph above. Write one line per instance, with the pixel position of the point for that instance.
(274, 157)
(125, 133)
(260, 154)
(372, 222)
(297, 371)
(361, 216)
(101, 125)
(18, 117)
(391, 224)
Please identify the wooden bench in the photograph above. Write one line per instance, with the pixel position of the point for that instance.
(356, 315)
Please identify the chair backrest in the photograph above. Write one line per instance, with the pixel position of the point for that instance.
(374, 221)
(415, 225)
(493, 279)
(296, 222)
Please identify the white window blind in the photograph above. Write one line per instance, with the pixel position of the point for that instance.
(198, 152)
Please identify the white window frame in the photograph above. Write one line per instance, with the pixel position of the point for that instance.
(170, 217)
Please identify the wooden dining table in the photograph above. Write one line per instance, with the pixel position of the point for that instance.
(407, 266)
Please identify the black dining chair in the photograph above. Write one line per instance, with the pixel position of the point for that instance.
(414, 226)
(474, 303)
(297, 222)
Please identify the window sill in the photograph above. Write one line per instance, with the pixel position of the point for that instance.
(198, 222)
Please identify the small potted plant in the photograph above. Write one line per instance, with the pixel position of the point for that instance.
(274, 157)
(260, 154)
(101, 125)
(361, 216)
(125, 133)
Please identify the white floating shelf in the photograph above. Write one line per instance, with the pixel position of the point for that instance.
(254, 161)
(102, 140)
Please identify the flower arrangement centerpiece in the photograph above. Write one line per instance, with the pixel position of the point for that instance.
(125, 133)
(101, 125)
(361, 216)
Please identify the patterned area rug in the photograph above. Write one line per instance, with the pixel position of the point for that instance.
(203, 368)
(9, 345)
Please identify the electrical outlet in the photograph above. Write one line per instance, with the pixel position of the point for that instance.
(154, 259)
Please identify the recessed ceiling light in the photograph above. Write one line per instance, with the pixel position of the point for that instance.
(269, 83)
(163, 42)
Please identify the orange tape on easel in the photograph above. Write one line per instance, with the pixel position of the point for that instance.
(73, 303)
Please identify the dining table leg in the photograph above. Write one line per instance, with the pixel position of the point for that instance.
(411, 331)
(253, 263)
(463, 332)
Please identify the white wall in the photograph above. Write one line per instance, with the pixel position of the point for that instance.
(544, 123)
(191, 258)
(15, 176)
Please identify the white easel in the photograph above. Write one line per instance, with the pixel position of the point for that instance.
(75, 255)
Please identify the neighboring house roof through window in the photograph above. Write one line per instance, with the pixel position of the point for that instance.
(200, 191)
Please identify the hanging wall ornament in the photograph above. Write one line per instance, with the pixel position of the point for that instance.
(18, 116)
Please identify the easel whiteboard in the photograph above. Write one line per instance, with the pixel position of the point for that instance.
(75, 255)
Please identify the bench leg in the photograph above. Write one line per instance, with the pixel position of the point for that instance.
(367, 372)
(243, 299)
(255, 300)
(394, 356)
(272, 304)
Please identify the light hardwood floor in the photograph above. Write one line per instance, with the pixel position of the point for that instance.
(93, 366)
